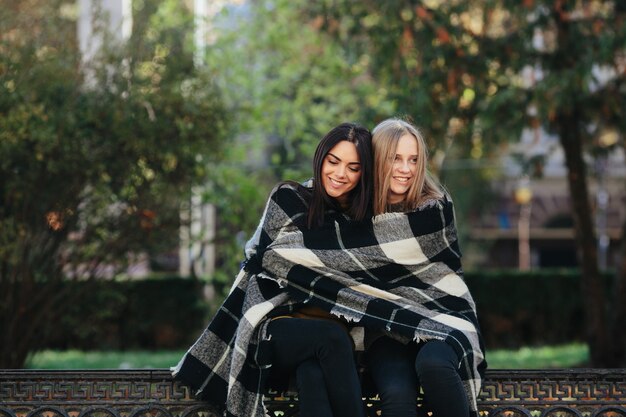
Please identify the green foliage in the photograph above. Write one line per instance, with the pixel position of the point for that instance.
(422, 55)
(90, 172)
(289, 83)
(154, 313)
(534, 308)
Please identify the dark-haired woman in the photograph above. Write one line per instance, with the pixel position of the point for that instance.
(261, 330)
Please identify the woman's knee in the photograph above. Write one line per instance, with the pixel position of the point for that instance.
(436, 357)
(333, 338)
(398, 391)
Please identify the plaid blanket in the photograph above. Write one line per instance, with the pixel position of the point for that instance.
(397, 273)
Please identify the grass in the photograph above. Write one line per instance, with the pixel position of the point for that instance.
(76, 359)
(565, 356)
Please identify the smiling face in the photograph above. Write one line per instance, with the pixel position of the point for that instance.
(341, 171)
(403, 169)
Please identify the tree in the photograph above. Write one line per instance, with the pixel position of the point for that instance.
(288, 84)
(460, 66)
(89, 177)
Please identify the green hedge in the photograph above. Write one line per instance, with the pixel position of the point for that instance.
(158, 313)
(514, 308)
(537, 308)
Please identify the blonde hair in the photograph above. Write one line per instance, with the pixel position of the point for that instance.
(385, 138)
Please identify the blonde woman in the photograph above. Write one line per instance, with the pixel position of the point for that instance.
(398, 368)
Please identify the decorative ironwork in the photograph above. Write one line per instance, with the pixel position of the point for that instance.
(153, 393)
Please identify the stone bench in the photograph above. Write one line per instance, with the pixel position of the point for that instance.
(153, 393)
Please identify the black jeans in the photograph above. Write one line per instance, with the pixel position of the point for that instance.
(320, 353)
(398, 370)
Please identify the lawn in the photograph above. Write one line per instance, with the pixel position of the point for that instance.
(76, 359)
(566, 356)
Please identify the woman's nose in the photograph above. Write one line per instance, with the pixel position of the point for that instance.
(403, 166)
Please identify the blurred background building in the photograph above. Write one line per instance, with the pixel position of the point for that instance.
(531, 224)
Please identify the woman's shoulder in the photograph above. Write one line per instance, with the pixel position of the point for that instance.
(291, 196)
(291, 189)
(431, 202)
(436, 201)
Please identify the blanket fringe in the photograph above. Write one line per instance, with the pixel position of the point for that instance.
(428, 204)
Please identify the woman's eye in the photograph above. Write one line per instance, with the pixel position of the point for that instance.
(353, 169)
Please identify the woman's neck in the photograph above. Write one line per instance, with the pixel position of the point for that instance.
(343, 202)
(396, 207)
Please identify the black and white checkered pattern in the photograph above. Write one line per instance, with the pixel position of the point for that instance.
(397, 273)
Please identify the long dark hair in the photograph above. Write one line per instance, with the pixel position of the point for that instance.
(361, 196)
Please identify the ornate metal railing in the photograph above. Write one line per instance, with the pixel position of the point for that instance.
(153, 393)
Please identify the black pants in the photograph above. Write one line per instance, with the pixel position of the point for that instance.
(320, 353)
(398, 370)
